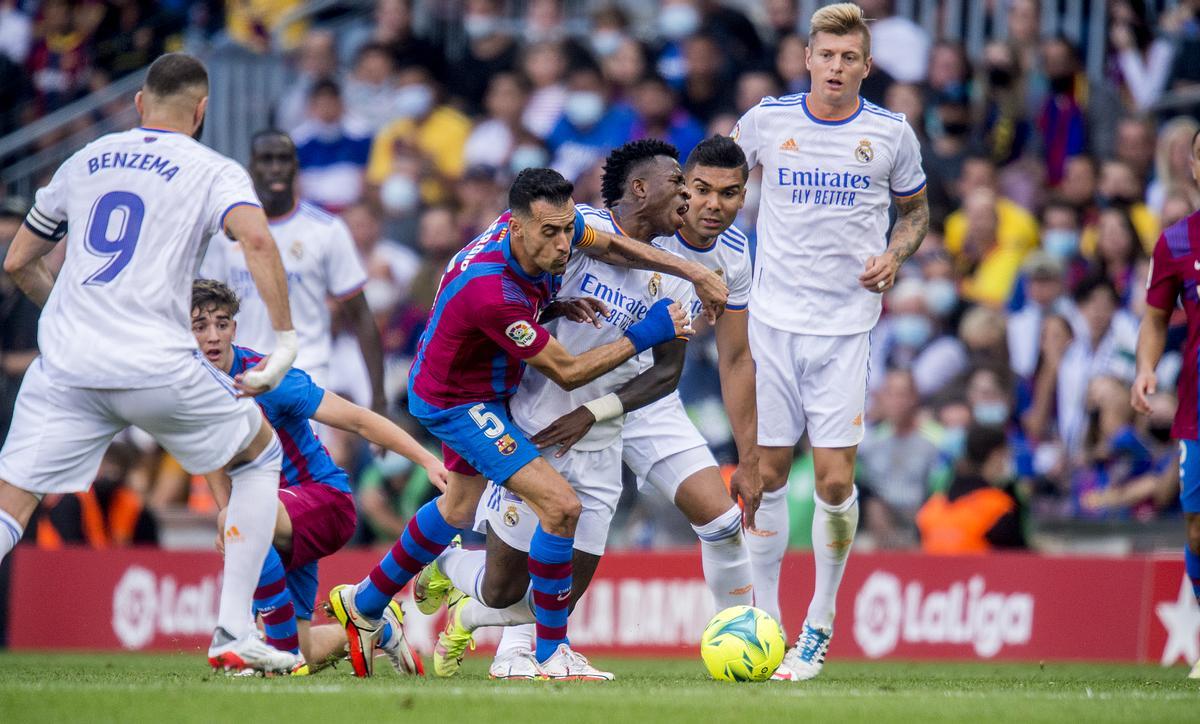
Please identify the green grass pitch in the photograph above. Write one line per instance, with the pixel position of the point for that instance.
(178, 688)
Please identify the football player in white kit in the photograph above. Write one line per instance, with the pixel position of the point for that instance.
(832, 164)
(580, 430)
(139, 208)
(321, 262)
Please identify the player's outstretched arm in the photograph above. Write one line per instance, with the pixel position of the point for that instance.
(651, 385)
(1152, 340)
(337, 411)
(26, 264)
(912, 224)
(623, 251)
(248, 225)
(665, 320)
(737, 389)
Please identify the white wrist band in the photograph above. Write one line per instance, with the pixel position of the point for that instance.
(606, 408)
(278, 362)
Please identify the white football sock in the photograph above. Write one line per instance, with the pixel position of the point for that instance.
(249, 530)
(10, 533)
(832, 535)
(475, 615)
(464, 568)
(726, 560)
(516, 639)
(767, 545)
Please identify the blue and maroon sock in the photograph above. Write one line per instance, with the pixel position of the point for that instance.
(550, 573)
(1191, 563)
(273, 602)
(424, 538)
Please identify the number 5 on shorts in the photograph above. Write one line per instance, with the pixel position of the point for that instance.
(487, 421)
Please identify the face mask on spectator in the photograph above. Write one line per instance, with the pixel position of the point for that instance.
(1000, 76)
(911, 330)
(941, 296)
(955, 128)
(607, 42)
(381, 294)
(678, 21)
(954, 441)
(480, 26)
(399, 194)
(990, 413)
(524, 157)
(413, 101)
(1060, 243)
(584, 108)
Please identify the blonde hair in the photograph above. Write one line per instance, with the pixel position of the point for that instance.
(840, 19)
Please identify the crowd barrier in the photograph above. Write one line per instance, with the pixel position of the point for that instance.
(1015, 607)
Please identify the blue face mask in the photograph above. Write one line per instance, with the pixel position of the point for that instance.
(954, 441)
(911, 330)
(1061, 244)
(941, 296)
(990, 413)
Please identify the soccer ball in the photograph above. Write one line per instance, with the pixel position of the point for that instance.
(742, 643)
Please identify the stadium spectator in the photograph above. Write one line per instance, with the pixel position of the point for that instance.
(660, 116)
(790, 65)
(1173, 165)
(1076, 116)
(316, 59)
(372, 93)
(332, 149)
(912, 338)
(16, 32)
(545, 65)
(783, 20)
(900, 462)
(391, 266)
(945, 151)
(1005, 130)
(490, 49)
(432, 131)
(258, 24)
(1135, 145)
(1117, 250)
(390, 490)
(59, 64)
(590, 126)
(624, 68)
(899, 46)
(495, 137)
(1045, 294)
(988, 267)
(707, 88)
(982, 509)
(1016, 228)
(949, 69)
(392, 27)
(1119, 186)
(1143, 62)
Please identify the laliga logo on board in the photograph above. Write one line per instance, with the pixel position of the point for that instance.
(965, 613)
(144, 605)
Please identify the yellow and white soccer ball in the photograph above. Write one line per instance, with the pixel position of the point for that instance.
(742, 643)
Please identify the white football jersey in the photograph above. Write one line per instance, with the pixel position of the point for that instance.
(138, 208)
(321, 261)
(826, 190)
(729, 255)
(628, 294)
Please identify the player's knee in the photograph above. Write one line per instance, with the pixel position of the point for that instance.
(834, 489)
(503, 591)
(561, 512)
(774, 474)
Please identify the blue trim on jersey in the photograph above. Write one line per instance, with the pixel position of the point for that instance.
(499, 368)
(804, 105)
(735, 307)
(735, 247)
(233, 206)
(156, 130)
(737, 234)
(880, 111)
(473, 271)
(693, 247)
(902, 194)
(881, 115)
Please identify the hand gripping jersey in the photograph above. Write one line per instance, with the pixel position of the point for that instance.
(321, 261)
(1174, 276)
(628, 294)
(826, 190)
(288, 408)
(483, 323)
(139, 208)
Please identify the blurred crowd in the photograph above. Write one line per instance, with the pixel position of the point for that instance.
(1019, 313)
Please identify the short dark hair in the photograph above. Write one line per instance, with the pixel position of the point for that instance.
(538, 184)
(982, 441)
(211, 294)
(270, 133)
(623, 160)
(1097, 283)
(325, 86)
(174, 72)
(718, 152)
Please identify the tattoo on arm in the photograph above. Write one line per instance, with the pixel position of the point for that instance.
(911, 226)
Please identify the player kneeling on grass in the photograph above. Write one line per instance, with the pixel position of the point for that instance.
(316, 515)
(580, 430)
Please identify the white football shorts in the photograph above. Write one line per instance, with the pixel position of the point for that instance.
(663, 447)
(59, 434)
(595, 476)
(809, 381)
